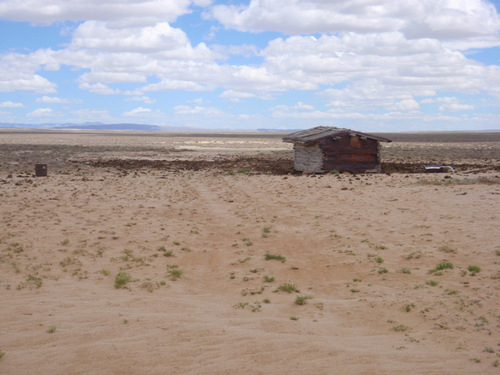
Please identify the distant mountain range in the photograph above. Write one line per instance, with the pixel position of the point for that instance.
(183, 129)
(132, 127)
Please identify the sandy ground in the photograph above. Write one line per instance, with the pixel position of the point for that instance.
(364, 252)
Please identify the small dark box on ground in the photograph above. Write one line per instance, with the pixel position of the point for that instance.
(41, 170)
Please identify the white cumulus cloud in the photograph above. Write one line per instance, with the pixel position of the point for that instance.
(98, 88)
(10, 104)
(106, 36)
(455, 107)
(41, 112)
(448, 104)
(143, 98)
(139, 111)
(450, 19)
(120, 11)
(56, 100)
(197, 110)
(406, 105)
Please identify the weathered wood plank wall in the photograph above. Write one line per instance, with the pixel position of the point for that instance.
(351, 154)
(308, 158)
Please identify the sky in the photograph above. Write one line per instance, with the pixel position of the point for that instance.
(369, 65)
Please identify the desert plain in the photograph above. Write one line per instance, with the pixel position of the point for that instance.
(159, 253)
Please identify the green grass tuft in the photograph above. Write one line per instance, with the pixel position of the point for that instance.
(287, 287)
(473, 270)
(301, 300)
(269, 279)
(400, 328)
(176, 273)
(442, 266)
(121, 280)
(279, 257)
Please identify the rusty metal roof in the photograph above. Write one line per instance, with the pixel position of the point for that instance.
(319, 132)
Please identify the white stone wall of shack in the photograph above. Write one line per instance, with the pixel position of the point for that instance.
(308, 158)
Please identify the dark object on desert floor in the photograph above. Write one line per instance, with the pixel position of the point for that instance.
(41, 170)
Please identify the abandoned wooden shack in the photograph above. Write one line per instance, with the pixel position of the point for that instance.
(327, 148)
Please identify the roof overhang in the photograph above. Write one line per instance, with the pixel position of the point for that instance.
(313, 135)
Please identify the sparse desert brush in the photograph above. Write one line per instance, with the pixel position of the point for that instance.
(473, 270)
(432, 283)
(149, 286)
(279, 257)
(16, 267)
(287, 287)
(379, 260)
(176, 273)
(253, 307)
(406, 271)
(69, 261)
(442, 266)
(121, 280)
(400, 328)
(382, 270)
(301, 300)
(266, 231)
(51, 329)
(15, 247)
(447, 249)
(409, 307)
(241, 305)
(253, 291)
(2, 354)
(413, 255)
(35, 280)
(269, 279)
